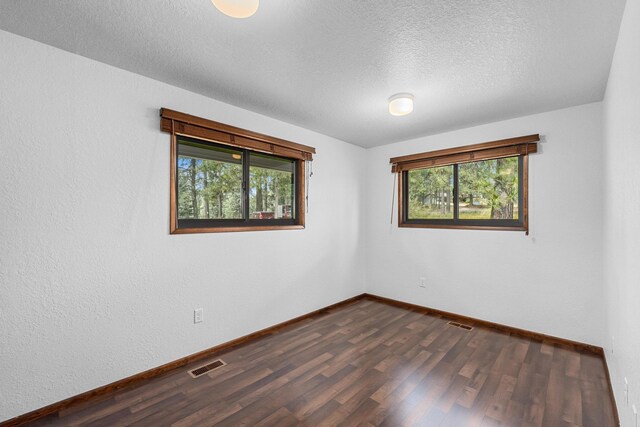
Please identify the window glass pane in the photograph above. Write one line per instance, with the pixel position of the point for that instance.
(488, 189)
(431, 193)
(209, 181)
(271, 192)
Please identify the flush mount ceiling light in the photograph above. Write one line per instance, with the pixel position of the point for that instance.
(237, 8)
(401, 104)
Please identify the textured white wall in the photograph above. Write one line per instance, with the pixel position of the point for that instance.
(622, 213)
(92, 286)
(548, 282)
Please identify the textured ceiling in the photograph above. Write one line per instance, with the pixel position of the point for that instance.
(330, 65)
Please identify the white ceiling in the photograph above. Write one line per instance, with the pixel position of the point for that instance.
(330, 65)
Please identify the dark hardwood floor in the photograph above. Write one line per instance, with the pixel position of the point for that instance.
(370, 363)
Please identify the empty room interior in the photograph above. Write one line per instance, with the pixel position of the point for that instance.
(319, 213)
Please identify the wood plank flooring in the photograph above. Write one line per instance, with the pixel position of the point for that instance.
(370, 364)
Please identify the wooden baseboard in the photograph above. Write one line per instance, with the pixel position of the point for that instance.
(154, 372)
(616, 416)
(579, 346)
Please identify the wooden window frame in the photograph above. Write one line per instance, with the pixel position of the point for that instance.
(186, 125)
(520, 147)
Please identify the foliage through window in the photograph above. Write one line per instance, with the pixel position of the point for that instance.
(209, 181)
(482, 186)
(475, 193)
(227, 186)
(225, 178)
(271, 195)
(489, 189)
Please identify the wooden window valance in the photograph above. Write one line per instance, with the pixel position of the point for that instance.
(184, 124)
(522, 145)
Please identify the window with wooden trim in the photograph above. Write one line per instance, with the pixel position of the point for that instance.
(480, 186)
(225, 178)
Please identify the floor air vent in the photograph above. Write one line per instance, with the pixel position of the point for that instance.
(461, 325)
(195, 373)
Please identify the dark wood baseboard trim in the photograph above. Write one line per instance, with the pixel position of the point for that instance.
(154, 372)
(504, 328)
(616, 416)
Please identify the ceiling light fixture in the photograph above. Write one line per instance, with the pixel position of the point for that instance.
(401, 104)
(237, 8)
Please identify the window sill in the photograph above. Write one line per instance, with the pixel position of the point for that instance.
(462, 227)
(235, 229)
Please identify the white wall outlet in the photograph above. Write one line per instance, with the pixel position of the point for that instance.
(423, 282)
(197, 315)
(626, 391)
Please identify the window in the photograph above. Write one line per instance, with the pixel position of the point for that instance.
(209, 182)
(475, 193)
(271, 194)
(481, 186)
(234, 180)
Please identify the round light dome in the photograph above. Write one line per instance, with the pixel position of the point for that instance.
(401, 104)
(237, 8)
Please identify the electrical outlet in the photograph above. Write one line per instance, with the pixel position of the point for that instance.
(626, 391)
(197, 315)
(423, 282)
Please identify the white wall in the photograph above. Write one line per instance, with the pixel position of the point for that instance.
(549, 281)
(622, 213)
(92, 286)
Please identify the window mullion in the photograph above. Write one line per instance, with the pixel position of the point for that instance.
(295, 182)
(455, 193)
(246, 184)
(405, 195)
(521, 183)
